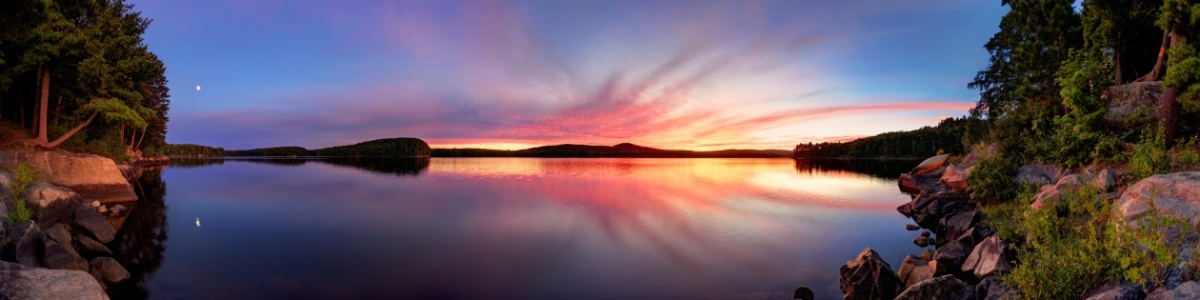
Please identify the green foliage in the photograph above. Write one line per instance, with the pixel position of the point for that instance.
(1184, 73)
(22, 177)
(1149, 158)
(993, 180)
(1073, 245)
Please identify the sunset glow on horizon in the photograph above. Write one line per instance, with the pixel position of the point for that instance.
(694, 75)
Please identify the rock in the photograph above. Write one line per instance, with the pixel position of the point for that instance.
(95, 224)
(1128, 99)
(868, 276)
(92, 176)
(930, 164)
(102, 209)
(1039, 174)
(50, 203)
(108, 270)
(92, 247)
(1187, 290)
(57, 256)
(49, 284)
(950, 257)
(942, 287)
(926, 233)
(921, 241)
(911, 227)
(926, 255)
(61, 234)
(905, 209)
(908, 185)
(1051, 193)
(1105, 180)
(989, 257)
(1117, 290)
(930, 207)
(803, 293)
(954, 226)
(95, 203)
(956, 178)
(975, 155)
(1175, 194)
(914, 270)
(992, 289)
(30, 245)
(9, 266)
(119, 208)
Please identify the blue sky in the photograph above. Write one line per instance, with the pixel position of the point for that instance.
(512, 74)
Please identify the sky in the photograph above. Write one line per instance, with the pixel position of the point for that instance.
(697, 75)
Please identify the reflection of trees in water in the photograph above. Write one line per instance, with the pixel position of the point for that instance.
(394, 166)
(140, 243)
(405, 166)
(883, 169)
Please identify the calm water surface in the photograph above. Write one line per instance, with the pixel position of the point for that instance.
(507, 228)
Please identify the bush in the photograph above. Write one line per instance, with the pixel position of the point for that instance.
(22, 177)
(993, 179)
(1149, 158)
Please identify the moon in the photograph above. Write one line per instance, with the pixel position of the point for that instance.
(197, 87)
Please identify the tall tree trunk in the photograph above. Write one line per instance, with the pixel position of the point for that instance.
(45, 101)
(1159, 64)
(1170, 106)
(70, 133)
(142, 138)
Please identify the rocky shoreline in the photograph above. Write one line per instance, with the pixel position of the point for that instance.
(967, 255)
(77, 204)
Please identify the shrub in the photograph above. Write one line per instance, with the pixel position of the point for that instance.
(1149, 158)
(22, 177)
(993, 179)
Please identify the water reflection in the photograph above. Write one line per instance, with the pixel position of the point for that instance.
(882, 169)
(522, 228)
(141, 241)
(393, 166)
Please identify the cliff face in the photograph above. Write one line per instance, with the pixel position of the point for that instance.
(94, 177)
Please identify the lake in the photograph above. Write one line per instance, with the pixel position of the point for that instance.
(507, 228)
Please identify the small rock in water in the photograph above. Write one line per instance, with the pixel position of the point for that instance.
(102, 209)
(119, 208)
(911, 227)
(921, 241)
(803, 293)
(926, 233)
(95, 203)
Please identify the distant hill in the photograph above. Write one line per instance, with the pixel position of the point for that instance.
(619, 150)
(412, 147)
(393, 147)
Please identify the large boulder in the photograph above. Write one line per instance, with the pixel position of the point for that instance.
(50, 203)
(108, 270)
(61, 234)
(1187, 290)
(941, 287)
(956, 178)
(49, 284)
(59, 256)
(992, 289)
(1176, 195)
(954, 226)
(94, 177)
(1117, 290)
(908, 184)
(930, 164)
(93, 223)
(988, 258)
(950, 257)
(1040, 174)
(30, 246)
(868, 276)
(1129, 99)
(914, 270)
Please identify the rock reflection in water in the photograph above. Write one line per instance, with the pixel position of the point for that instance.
(140, 243)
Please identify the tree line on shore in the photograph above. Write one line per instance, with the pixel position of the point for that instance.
(78, 75)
